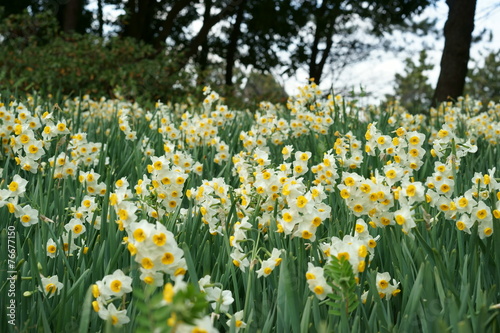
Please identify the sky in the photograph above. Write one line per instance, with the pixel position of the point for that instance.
(376, 74)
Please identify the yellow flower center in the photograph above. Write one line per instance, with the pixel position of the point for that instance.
(301, 201)
(167, 258)
(50, 288)
(318, 290)
(160, 239)
(147, 263)
(13, 186)
(400, 219)
(77, 229)
(116, 286)
(383, 284)
(343, 256)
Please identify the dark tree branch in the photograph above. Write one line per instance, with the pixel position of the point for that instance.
(168, 24)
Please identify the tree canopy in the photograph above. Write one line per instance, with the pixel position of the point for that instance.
(272, 35)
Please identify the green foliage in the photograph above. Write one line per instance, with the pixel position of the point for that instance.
(341, 278)
(412, 88)
(164, 312)
(263, 87)
(22, 30)
(483, 79)
(35, 56)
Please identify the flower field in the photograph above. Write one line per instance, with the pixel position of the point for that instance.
(314, 216)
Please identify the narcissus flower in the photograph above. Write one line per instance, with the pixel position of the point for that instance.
(27, 215)
(116, 284)
(51, 247)
(50, 286)
(115, 316)
(238, 321)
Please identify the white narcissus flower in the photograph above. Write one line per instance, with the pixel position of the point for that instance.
(51, 248)
(27, 215)
(75, 226)
(204, 282)
(17, 186)
(4, 195)
(238, 320)
(151, 278)
(200, 325)
(34, 150)
(51, 286)
(219, 299)
(116, 284)
(240, 260)
(117, 318)
(270, 264)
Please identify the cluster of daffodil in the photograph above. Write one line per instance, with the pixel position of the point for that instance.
(10, 197)
(214, 202)
(285, 194)
(152, 245)
(83, 215)
(126, 128)
(81, 153)
(348, 150)
(300, 210)
(326, 172)
(478, 204)
(105, 109)
(185, 305)
(26, 136)
(156, 250)
(358, 251)
(311, 113)
(268, 126)
(111, 288)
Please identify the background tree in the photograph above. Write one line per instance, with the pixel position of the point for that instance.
(335, 30)
(483, 79)
(272, 36)
(412, 88)
(458, 38)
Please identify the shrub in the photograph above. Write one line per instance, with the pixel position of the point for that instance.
(35, 56)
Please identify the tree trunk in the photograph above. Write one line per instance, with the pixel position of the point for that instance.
(140, 14)
(69, 14)
(324, 32)
(232, 47)
(458, 36)
(100, 18)
(202, 58)
(316, 69)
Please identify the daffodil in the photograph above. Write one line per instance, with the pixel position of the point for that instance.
(50, 286)
(117, 317)
(116, 284)
(27, 215)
